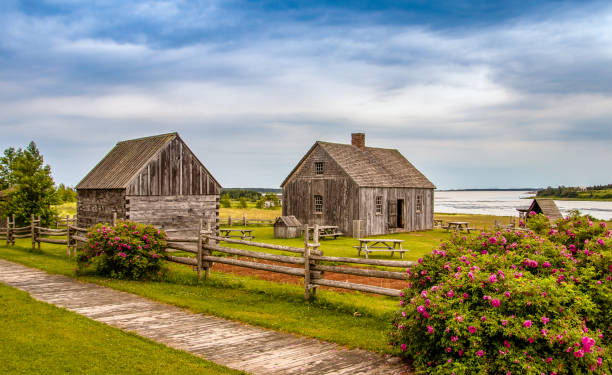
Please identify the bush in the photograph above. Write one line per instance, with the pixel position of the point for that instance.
(126, 251)
(510, 303)
(242, 202)
(225, 201)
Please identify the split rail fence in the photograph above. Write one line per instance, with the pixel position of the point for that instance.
(309, 261)
(244, 221)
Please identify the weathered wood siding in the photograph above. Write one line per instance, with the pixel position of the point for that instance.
(175, 170)
(97, 206)
(339, 193)
(376, 224)
(180, 214)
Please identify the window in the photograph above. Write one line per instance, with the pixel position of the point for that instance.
(379, 205)
(318, 204)
(318, 167)
(419, 203)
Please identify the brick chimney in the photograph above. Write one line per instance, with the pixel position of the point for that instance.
(358, 140)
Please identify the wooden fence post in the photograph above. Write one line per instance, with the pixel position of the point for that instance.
(32, 232)
(38, 232)
(229, 221)
(315, 239)
(8, 231)
(306, 264)
(68, 240)
(114, 218)
(13, 232)
(200, 251)
(244, 220)
(208, 265)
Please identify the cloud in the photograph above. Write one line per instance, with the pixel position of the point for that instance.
(266, 82)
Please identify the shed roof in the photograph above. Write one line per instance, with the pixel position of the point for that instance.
(372, 166)
(289, 221)
(124, 161)
(547, 206)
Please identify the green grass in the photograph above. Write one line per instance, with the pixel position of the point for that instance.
(267, 304)
(593, 195)
(66, 209)
(38, 338)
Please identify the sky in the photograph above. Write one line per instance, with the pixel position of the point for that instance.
(476, 94)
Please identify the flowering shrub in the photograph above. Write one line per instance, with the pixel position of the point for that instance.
(510, 302)
(126, 251)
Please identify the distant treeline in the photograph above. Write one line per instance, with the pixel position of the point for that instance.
(596, 191)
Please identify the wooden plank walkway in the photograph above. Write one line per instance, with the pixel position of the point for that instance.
(239, 346)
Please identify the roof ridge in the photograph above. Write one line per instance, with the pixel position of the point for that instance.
(148, 137)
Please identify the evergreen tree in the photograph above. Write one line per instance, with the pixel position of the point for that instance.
(33, 190)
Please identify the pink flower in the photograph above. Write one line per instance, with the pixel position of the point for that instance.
(472, 329)
(454, 338)
(545, 320)
(480, 353)
(507, 294)
(404, 347)
(493, 278)
(527, 323)
(430, 329)
(506, 344)
(495, 302)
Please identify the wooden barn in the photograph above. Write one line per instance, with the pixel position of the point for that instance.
(154, 180)
(544, 206)
(362, 190)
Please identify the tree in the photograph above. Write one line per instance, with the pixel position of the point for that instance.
(33, 190)
(66, 193)
(225, 201)
(242, 202)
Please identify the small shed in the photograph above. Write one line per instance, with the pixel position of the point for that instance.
(154, 180)
(544, 206)
(287, 227)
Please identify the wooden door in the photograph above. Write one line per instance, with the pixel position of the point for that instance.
(392, 213)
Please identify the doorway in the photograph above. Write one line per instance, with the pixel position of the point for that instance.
(400, 213)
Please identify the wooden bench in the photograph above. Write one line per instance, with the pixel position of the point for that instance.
(369, 245)
(245, 234)
(327, 231)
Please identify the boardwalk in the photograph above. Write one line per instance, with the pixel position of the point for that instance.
(239, 346)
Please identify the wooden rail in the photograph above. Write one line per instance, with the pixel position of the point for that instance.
(244, 221)
(307, 263)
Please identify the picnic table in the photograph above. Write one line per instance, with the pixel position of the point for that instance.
(326, 231)
(245, 234)
(458, 226)
(368, 245)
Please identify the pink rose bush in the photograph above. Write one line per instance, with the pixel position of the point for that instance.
(523, 303)
(126, 251)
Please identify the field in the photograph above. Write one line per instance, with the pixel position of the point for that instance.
(40, 338)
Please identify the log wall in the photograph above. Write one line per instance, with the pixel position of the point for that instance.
(97, 206)
(180, 214)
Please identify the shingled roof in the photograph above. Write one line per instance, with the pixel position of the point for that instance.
(547, 207)
(372, 166)
(124, 161)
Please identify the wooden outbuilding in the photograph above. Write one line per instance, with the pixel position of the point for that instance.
(544, 206)
(155, 180)
(362, 190)
(287, 227)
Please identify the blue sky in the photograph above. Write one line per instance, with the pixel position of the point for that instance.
(474, 93)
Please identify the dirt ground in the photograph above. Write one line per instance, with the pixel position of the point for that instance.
(289, 279)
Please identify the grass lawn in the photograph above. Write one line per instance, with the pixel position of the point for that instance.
(39, 338)
(278, 306)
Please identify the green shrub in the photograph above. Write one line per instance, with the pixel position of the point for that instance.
(242, 202)
(225, 201)
(126, 251)
(509, 303)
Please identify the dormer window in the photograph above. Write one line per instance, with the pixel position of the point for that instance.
(318, 167)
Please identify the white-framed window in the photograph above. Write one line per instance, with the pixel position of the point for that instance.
(318, 204)
(379, 205)
(419, 203)
(319, 168)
